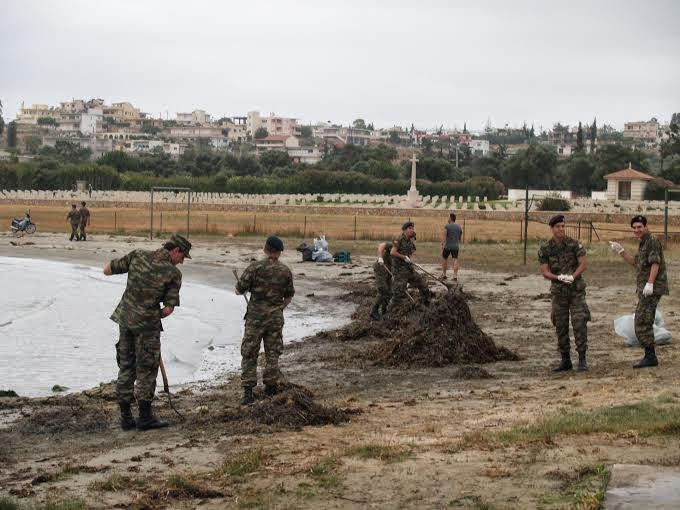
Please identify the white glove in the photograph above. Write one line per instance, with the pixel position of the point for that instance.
(648, 290)
(407, 260)
(380, 260)
(616, 247)
(566, 278)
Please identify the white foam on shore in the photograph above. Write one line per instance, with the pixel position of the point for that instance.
(55, 328)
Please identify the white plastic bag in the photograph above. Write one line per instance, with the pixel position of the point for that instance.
(625, 327)
(321, 253)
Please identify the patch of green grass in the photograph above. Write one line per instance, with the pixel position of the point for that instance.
(386, 453)
(243, 464)
(325, 473)
(12, 504)
(586, 492)
(667, 397)
(117, 482)
(644, 418)
(9, 504)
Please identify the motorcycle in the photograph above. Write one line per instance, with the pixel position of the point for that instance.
(21, 226)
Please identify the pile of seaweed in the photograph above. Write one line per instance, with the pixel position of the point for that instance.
(293, 407)
(441, 333)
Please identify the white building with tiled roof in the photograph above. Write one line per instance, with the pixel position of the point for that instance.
(627, 184)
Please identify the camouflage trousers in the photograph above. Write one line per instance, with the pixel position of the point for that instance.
(404, 276)
(74, 231)
(383, 285)
(138, 354)
(644, 319)
(267, 331)
(82, 235)
(574, 304)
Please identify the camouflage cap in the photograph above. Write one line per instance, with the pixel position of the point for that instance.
(182, 243)
(406, 225)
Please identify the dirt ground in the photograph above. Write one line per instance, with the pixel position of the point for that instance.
(368, 435)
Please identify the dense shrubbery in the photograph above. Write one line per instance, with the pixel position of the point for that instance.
(33, 176)
(554, 203)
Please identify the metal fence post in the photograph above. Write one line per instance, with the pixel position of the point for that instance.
(355, 227)
(304, 228)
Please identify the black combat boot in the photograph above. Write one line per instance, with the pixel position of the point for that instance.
(146, 419)
(127, 421)
(247, 396)
(582, 363)
(375, 313)
(565, 364)
(649, 359)
(270, 390)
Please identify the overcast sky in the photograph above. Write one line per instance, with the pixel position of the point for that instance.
(392, 62)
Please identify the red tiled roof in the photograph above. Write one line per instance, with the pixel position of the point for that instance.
(629, 174)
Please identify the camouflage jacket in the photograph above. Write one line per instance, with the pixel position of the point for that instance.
(562, 258)
(84, 215)
(651, 252)
(152, 280)
(73, 217)
(269, 282)
(405, 246)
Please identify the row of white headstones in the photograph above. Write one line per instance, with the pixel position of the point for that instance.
(329, 199)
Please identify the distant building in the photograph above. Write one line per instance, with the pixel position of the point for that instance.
(98, 146)
(31, 114)
(647, 132)
(195, 118)
(274, 142)
(306, 155)
(342, 134)
(274, 124)
(627, 184)
(479, 147)
(141, 146)
(124, 113)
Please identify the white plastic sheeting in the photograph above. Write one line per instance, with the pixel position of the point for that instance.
(55, 328)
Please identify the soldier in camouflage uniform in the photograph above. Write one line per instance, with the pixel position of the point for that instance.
(153, 278)
(270, 284)
(382, 269)
(73, 217)
(563, 261)
(84, 221)
(651, 284)
(403, 272)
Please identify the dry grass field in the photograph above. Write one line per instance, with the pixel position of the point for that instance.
(303, 226)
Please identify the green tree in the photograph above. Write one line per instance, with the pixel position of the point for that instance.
(120, 161)
(611, 158)
(593, 135)
(580, 147)
(394, 138)
(32, 144)
(306, 131)
(580, 171)
(537, 164)
(2, 121)
(12, 134)
(359, 124)
(150, 130)
(47, 121)
(260, 133)
(272, 159)
(485, 166)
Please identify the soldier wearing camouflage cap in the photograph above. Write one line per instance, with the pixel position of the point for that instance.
(270, 284)
(153, 278)
(652, 283)
(562, 260)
